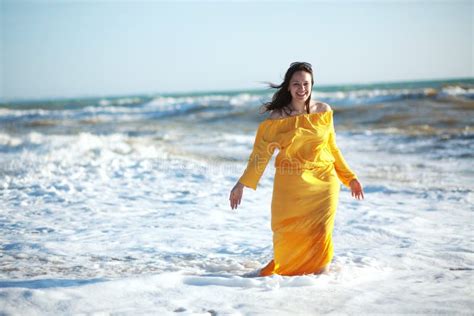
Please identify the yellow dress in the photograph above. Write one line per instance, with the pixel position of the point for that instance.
(305, 190)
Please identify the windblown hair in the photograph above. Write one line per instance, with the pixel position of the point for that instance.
(282, 97)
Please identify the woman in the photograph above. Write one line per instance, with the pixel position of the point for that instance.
(306, 186)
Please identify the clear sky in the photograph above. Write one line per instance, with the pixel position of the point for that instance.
(97, 48)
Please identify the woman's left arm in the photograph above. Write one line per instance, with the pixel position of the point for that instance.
(344, 172)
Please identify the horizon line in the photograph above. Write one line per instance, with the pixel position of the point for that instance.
(217, 91)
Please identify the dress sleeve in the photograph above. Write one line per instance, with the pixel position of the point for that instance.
(344, 172)
(262, 152)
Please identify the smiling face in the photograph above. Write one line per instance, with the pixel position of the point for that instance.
(300, 86)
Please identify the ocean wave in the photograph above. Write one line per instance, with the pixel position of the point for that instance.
(416, 111)
(372, 96)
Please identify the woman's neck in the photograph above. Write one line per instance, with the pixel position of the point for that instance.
(298, 107)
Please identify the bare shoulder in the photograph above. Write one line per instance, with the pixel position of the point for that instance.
(320, 107)
(275, 114)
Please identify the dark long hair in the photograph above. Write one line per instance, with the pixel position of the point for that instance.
(282, 97)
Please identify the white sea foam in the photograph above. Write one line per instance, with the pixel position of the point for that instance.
(367, 96)
(458, 91)
(135, 218)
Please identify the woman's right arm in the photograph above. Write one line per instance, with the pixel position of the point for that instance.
(263, 149)
(262, 152)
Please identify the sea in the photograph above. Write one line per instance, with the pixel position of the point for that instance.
(119, 205)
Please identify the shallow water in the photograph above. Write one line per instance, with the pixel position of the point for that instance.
(119, 205)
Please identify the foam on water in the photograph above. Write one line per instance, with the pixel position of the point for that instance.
(134, 217)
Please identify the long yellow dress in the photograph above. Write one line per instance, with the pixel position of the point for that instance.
(305, 190)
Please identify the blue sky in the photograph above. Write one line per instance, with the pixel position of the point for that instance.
(97, 48)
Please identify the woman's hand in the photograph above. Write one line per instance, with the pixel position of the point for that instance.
(236, 195)
(356, 189)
